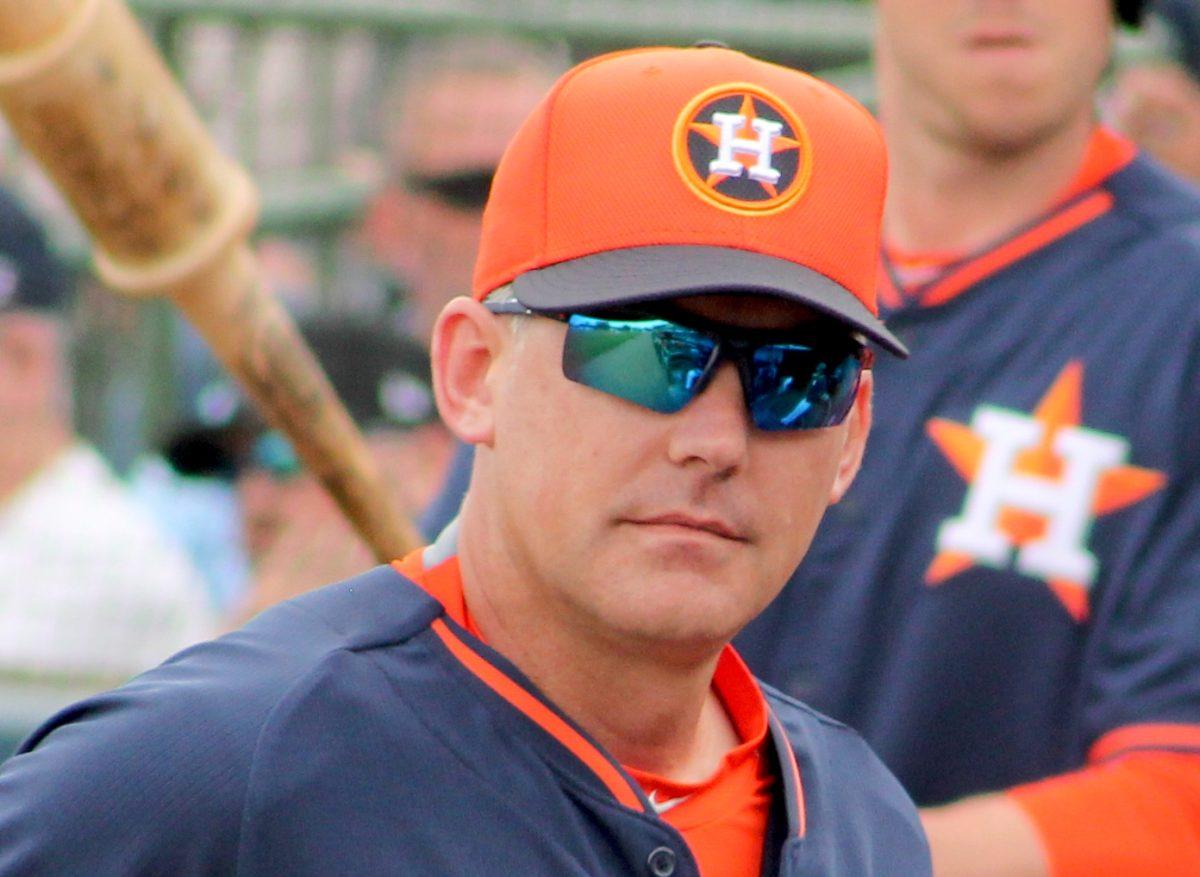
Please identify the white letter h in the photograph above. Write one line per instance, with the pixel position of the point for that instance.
(1061, 552)
(731, 144)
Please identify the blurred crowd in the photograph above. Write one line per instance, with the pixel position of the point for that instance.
(102, 576)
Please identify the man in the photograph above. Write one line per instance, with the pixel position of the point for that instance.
(452, 108)
(90, 591)
(454, 105)
(1006, 603)
(666, 385)
(232, 489)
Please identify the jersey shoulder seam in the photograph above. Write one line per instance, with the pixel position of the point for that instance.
(416, 624)
(295, 681)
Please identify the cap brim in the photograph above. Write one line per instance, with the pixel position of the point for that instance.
(644, 274)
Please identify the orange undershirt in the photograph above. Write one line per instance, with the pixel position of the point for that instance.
(913, 269)
(1135, 816)
(723, 819)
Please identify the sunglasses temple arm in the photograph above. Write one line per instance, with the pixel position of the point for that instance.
(507, 307)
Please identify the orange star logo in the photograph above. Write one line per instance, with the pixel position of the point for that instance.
(1036, 485)
(740, 148)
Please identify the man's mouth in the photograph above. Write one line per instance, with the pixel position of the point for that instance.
(995, 37)
(689, 521)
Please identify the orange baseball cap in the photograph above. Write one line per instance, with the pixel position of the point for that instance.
(654, 173)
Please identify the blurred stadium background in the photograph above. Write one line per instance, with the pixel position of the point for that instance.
(294, 89)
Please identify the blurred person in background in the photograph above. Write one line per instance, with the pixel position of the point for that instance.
(1157, 103)
(91, 592)
(1007, 602)
(455, 103)
(296, 536)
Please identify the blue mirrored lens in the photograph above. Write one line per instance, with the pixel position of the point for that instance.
(795, 387)
(653, 363)
(662, 365)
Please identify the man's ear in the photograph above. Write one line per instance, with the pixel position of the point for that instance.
(858, 425)
(467, 343)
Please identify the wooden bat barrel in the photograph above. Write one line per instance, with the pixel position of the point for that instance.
(89, 96)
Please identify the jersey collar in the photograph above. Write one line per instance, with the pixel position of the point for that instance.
(734, 684)
(945, 276)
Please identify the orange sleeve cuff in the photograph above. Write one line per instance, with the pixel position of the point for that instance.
(1135, 816)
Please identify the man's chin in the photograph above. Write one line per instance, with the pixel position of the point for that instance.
(676, 552)
(994, 130)
(690, 626)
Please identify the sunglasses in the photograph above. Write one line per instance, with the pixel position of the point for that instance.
(660, 363)
(464, 190)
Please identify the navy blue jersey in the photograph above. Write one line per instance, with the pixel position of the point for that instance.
(1011, 588)
(358, 729)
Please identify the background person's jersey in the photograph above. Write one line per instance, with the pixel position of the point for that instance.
(1012, 586)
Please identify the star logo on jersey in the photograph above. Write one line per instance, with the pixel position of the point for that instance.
(742, 149)
(1036, 484)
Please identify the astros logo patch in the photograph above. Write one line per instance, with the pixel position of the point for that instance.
(1037, 483)
(742, 149)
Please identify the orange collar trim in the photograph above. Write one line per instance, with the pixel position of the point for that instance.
(747, 709)
(1080, 202)
(1058, 225)
(444, 583)
(542, 715)
(732, 681)
(1107, 152)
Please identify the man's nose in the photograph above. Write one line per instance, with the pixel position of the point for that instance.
(714, 428)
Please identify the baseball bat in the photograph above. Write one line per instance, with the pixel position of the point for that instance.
(89, 96)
